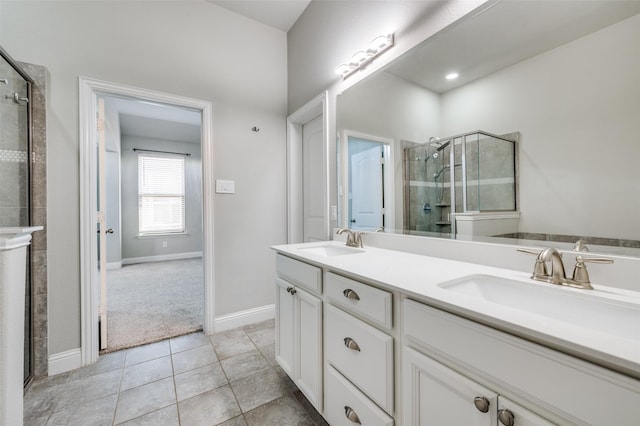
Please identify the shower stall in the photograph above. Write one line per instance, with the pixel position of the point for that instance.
(15, 179)
(454, 180)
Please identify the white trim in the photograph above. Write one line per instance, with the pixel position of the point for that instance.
(240, 318)
(312, 109)
(160, 258)
(65, 361)
(89, 89)
(114, 265)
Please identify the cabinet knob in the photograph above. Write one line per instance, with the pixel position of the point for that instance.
(350, 294)
(481, 403)
(506, 417)
(351, 415)
(351, 344)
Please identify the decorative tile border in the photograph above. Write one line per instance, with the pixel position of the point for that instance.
(613, 242)
(13, 156)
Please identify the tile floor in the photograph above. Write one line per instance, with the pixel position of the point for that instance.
(230, 379)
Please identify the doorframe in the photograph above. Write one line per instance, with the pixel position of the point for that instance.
(89, 283)
(295, 197)
(388, 177)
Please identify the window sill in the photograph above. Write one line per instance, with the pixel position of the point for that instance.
(167, 235)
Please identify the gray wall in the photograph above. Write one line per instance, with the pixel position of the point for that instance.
(134, 246)
(194, 49)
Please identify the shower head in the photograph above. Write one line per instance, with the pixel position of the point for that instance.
(435, 140)
(443, 146)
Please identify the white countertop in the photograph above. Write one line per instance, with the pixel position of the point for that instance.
(418, 276)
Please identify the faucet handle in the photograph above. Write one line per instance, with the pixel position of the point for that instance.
(540, 268)
(580, 273)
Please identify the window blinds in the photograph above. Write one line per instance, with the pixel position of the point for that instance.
(161, 194)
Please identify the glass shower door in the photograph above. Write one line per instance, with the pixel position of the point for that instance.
(14, 173)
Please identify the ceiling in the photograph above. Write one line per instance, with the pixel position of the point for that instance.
(156, 120)
(481, 44)
(279, 14)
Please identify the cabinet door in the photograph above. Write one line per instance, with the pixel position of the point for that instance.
(512, 414)
(285, 322)
(309, 346)
(436, 395)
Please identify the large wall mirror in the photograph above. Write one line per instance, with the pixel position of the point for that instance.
(552, 88)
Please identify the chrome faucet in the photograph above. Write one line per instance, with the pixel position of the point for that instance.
(557, 275)
(580, 245)
(354, 238)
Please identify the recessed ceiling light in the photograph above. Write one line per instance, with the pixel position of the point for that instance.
(451, 76)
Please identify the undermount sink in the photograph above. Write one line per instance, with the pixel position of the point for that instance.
(584, 308)
(331, 250)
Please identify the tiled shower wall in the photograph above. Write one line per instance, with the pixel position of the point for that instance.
(40, 76)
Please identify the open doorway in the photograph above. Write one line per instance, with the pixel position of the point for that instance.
(90, 216)
(152, 208)
(365, 182)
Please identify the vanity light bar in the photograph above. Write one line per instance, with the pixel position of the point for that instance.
(361, 58)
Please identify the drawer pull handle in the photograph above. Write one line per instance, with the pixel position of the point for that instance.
(481, 403)
(506, 417)
(350, 294)
(351, 415)
(291, 290)
(351, 344)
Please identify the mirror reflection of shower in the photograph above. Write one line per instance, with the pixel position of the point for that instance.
(481, 167)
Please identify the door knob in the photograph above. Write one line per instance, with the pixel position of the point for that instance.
(481, 403)
(506, 417)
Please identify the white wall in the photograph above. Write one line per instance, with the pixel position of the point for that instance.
(191, 241)
(193, 49)
(576, 108)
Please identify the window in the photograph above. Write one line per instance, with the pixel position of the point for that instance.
(160, 194)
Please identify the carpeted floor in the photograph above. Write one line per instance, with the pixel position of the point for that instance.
(148, 302)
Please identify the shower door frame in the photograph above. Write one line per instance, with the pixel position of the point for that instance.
(29, 283)
(89, 91)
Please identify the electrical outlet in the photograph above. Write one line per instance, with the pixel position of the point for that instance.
(164, 244)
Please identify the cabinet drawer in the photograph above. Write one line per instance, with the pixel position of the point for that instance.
(369, 302)
(345, 399)
(574, 389)
(368, 362)
(299, 273)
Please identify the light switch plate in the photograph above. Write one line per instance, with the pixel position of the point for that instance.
(225, 186)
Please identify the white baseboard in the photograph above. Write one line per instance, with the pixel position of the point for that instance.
(161, 258)
(240, 318)
(65, 361)
(114, 265)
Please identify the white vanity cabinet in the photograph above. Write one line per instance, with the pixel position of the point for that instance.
(437, 395)
(557, 386)
(359, 356)
(299, 326)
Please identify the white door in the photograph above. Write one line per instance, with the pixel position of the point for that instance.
(367, 189)
(285, 320)
(437, 395)
(312, 177)
(102, 224)
(309, 338)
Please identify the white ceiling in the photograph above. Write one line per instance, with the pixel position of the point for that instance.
(279, 14)
(156, 120)
(506, 33)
